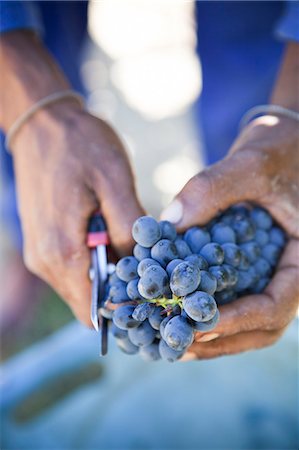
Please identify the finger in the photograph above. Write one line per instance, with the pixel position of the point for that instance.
(234, 179)
(273, 309)
(232, 345)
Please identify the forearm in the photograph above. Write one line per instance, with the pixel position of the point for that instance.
(286, 90)
(28, 73)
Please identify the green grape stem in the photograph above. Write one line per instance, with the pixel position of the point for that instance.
(165, 302)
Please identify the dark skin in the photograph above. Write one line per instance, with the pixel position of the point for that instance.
(68, 163)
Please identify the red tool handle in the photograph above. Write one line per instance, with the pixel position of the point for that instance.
(97, 231)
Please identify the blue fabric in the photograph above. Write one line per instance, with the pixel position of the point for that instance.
(288, 26)
(19, 15)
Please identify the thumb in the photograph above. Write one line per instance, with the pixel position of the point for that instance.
(236, 178)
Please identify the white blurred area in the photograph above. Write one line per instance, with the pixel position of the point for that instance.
(143, 75)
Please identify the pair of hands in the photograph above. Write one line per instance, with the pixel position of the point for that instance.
(84, 165)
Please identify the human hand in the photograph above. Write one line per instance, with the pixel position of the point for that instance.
(262, 167)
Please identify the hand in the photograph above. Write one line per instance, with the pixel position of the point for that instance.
(262, 167)
(68, 163)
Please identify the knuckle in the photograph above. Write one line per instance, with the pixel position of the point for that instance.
(31, 261)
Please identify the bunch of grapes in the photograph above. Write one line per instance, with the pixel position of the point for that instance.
(173, 284)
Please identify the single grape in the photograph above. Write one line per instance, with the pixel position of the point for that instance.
(142, 335)
(222, 233)
(118, 293)
(232, 274)
(207, 326)
(232, 254)
(156, 317)
(184, 279)
(167, 353)
(168, 230)
(178, 333)
(261, 218)
(164, 323)
(118, 332)
(246, 278)
(221, 276)
(260, 285)
(263, 267)
(244, 262)
(208, 282)
(132, 289)
(126, 268)
(113, 279)
(127, 346)
(244, 229)
(164, 251)
(271, 253)
(200, 306)
(213, 253)
(146, 231)
(143, 311)
(196, 238)
(150, 352)
(277, 236)
(261, 237)
(183, 248)
(226, 296)
(198, 261)
(153, 282)
(172, 264)
(141, 253)
(252, 250)
(107, 313)
(144, 264)
(122, 317)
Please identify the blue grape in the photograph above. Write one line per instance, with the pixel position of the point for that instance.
(239, 211)
(244, 229)
(200, 306)
(198, 261)
(146, 231)
(208, 282)
(122, 317)
(277, 236)
(178, 333)
(164, 251)
(144, 264)
(164, 323)
(212, 253)
(172, 264)
(169, 354)
(142, 335)
(153, 282)
(261, 218)
(118, 293)
(143, 311)
(222, 233)
(182, 247)
(261, 237)
(251, 250)
(113, 279)
(232, 274)
(260, 285)
(132, 289)
(232, 254)
(168, 230)
(126, 268)
(150, 352)
(246, 278)
(221, 276)
(118, 332)
(127, 346)
(196, 238)
(262, 267)
(207, 326)
(271, 253)
(244, 262)
(184, 279)
(141, 253)
(107, 313)
(156, 317)
(226, 296)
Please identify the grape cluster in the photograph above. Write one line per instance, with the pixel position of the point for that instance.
(173, 284)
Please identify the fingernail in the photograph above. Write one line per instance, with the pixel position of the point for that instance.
(208, 337)
(190, 356)
(174, 212)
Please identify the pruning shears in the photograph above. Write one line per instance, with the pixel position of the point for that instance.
(97, 241)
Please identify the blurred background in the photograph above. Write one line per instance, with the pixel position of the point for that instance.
(140, 71)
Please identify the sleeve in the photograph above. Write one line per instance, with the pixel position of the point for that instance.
(19, 15)
(288, 26)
